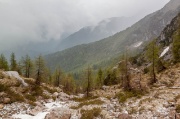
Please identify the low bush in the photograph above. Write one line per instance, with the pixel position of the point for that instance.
(90, 114)
(123, 96)
(178, 108)
(84, 99)
(92, 102)
(3, 87)
(30, 97)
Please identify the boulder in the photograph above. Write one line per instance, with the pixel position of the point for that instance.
(6, 100)
(35, 111)
(55, 95)
(124, 116)
(59, 113)
(1, 106)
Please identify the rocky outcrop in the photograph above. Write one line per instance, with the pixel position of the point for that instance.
(15, 74)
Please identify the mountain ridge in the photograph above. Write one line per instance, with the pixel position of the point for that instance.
(100, 52)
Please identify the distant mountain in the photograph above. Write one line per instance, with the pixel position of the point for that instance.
(33, 49)
(85, 35)
(100, 53)
(102, 30)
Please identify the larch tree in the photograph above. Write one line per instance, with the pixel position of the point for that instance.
(152, 54)
(89, 78)
(124, 70)
(13, 65)
(100, 78)
(27, 65)
(40, 69)
(3, 63)
(57, 76)
(176, 46)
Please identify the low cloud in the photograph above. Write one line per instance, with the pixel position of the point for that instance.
(42, 20)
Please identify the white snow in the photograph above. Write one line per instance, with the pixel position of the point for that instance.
(40, 115)
(164, 52)
(137, 44)
(15, 74)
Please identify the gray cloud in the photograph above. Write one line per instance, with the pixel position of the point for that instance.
(37, 20)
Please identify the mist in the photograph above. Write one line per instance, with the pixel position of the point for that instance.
(24, 21)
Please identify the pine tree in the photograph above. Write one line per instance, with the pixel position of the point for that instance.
(153, 56)
(13, 62)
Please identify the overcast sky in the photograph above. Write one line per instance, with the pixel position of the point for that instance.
(37, 20)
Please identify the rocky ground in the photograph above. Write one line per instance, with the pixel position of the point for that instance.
(160, 102)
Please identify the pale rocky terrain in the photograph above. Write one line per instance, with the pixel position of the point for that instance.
(159, 102)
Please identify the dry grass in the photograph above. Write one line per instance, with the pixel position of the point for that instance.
(90, 114)
(86, 103)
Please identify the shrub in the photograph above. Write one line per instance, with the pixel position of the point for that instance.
(123, 96)
(146, 70)
(30, 97)
(15, 97)
(50, 90)
(90, 114)
(178, 108)
(92, 102)
(3, 87)
(37, 91)
(84, 99)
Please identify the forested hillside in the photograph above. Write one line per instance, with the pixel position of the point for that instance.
(100, 53)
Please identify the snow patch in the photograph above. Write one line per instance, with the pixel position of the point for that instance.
(137, 44)
(164, 52)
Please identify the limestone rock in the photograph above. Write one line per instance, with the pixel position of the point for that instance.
(1, 106)
(59, 113)
(6, 100)
(36, 110)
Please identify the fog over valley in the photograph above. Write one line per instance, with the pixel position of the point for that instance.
(24, 21)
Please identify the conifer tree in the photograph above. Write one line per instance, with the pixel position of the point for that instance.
(57, 77)
(124, 69)
(153, 56)
(13, 62)
(88, 81)
(27, 65)
(40, 69)
(176, 46)
(100, 78)
(3, 63)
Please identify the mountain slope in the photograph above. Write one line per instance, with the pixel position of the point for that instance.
(102, 30)
(100, 53)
